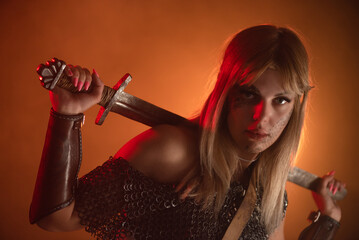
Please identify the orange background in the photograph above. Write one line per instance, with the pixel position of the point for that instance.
(171, 49)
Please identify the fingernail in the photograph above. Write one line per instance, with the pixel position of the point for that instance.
(79, 87)
(69, 72)
(87, 85)
(94, 71)
(331, 172)
(76, 81)
(331, 187)
(335, 190)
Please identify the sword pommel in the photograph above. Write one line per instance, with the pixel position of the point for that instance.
(51, 72)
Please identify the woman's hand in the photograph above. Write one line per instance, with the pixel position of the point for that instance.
(68, 103)
(325, 203)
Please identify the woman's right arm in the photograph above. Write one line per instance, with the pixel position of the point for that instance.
(165, 153)
(52, 206)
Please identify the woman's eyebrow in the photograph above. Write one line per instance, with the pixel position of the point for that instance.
(281, 94)
(251, 88)
(238, 89)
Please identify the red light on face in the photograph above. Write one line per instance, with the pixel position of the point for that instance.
(258, 111)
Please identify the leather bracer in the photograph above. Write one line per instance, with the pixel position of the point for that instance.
(60, 162)
(322, 228)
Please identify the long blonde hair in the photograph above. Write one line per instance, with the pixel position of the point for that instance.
(247, 56)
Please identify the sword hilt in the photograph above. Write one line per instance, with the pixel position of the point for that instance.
(52, 74)
(112, 99)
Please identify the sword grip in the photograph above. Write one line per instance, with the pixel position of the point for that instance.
(52, 74)
(66, 83)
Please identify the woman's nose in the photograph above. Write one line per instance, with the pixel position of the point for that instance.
(261, 112)
(258, 109)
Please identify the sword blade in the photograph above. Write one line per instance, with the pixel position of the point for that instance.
(144, 112)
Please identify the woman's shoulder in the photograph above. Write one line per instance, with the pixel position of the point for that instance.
(164, 153)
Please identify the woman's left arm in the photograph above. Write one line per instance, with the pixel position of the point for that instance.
(326, 222)
(324, 201)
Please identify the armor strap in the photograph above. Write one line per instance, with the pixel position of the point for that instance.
(243, 214)
(322, 228)
(60, 162)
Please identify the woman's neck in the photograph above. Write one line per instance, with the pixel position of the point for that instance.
(243, 164)
(246, 159)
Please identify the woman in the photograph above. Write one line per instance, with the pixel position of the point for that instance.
(187, 182)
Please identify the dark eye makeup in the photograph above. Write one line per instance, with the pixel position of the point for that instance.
(247, 94)
(251, 93)
(282, 100)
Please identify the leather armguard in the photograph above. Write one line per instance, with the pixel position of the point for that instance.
(60, 162)
(322, 228)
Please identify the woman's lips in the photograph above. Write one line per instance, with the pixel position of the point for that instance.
(255, 135)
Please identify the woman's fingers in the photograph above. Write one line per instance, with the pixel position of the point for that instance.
(327, 183)
(72, 72)
(97, 86)
(68, 71)
(96, 79)
(68, 103)
(81, 77)
(330, 183)
(81, 74)
(88, 79)
(324, 200)
(337, 186)
(342, 186)
(78, 76)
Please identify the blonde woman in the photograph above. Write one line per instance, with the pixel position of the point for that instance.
(188, 182)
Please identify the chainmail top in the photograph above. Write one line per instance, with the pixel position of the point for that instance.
(115, 201)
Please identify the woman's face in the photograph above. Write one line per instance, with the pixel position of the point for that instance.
(259, 113)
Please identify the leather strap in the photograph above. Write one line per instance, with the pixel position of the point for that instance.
(60, 162)
(243, 214)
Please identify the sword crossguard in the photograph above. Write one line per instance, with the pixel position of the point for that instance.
(118, 88)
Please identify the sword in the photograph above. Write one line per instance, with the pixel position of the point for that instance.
(116, 100)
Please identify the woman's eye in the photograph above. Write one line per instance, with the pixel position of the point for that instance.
(282, 100)
(247, 95)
